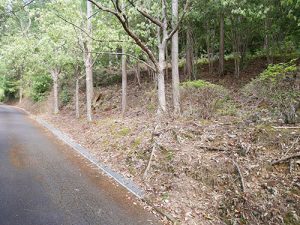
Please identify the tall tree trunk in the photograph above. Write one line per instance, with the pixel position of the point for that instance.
(189, 55)
(21, 94)
(160, 68)
(138, 74)
(77, 75)
(175, 59)
(236, 46)
(221, 50)
(162, 106)
(267, 42)
(21, 91)
(167, 64)
(89, 64)
(124, 82)
(54, 74)
(209, 49)
(77, 99)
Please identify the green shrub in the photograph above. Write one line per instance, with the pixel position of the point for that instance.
(275, 73)
(2, 96)
(276, 86)
(9, 86)
(41, 85)
(65, 96)
(196, 84)
(206, 100)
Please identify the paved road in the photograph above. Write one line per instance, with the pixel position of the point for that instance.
(42, 182)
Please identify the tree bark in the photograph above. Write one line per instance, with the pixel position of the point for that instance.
(54, 74)
(267, 42)
(236, 46)
(162, 106)
(189, 55)
(124, 82)
(209, 49)
(20, 94)
(175, 59)
(138, 74)
(77, 99)
(221, 50)
(89, 64)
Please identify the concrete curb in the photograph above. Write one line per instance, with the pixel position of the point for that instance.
(126, 183)
(120, 179)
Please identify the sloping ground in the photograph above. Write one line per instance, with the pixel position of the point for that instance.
(204, 170)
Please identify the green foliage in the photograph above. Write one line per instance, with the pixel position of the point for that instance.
(2, 96)
(206, 100)
(124, 131)
(277, 88)
(275, 73)
(65, 96)
(9, 87)
(196, 84)
(41, 85)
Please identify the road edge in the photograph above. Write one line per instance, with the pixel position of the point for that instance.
(128, 184)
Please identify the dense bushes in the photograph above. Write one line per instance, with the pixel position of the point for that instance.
(277, 87)
(9, 88)
(65, 96)
(205, 100)
(2, 96)
(40, 87)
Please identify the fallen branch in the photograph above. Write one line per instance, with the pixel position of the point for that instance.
(286, 128)
(213, 149)
(161, 212)
(154, 134)
(240, 174)
(150, 160)
(285, 159)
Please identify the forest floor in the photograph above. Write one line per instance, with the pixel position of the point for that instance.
(204, 170)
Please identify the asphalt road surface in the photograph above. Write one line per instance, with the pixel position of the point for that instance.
(43, 182)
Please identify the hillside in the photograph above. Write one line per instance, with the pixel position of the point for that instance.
(212, 164)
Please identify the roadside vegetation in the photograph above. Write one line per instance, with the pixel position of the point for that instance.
(197, 101)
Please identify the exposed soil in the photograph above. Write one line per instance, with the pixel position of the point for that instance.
(214, 170)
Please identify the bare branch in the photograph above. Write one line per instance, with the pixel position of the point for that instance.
(179, 22)
(132, 56)
(103, 8)
(297, 155)
(145, 14)
(125, 25)
(240, 174)
(87, 34)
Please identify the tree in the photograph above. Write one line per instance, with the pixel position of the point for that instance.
(175, 59)
(88, 61)
(163, 37)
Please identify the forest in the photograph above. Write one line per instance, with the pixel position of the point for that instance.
(198, 101)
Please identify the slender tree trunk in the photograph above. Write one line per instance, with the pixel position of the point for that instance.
(221, 50)
(54, 74)
(209, 50)
(138, 74)
(20, 93)
(77, 98)
(175, 59)
(124, 82)
(236, 46)
(167, 64)
(55, 91)
(189, 55)
(89, 64)
(267, 42)
(161, 79)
